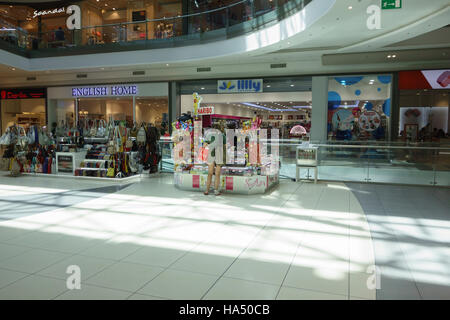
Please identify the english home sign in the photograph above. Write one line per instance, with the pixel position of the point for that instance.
(121, 90)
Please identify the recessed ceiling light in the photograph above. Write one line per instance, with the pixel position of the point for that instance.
(202, 88)
(268, 86)
(394, 56)
(292, 85)
(389, 56)
(114, 8)
(167, 64)
(350, 7)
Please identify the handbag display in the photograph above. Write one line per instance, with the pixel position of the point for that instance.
(93, 129)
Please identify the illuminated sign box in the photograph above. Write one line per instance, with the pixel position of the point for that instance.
(105, 91)
(13, 94)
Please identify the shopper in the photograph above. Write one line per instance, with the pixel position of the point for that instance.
(215, 168)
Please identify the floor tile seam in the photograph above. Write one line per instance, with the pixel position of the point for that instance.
(16, 255)
(48, 249)
(115, 262)
(91, 285)
(26, 275)
(317, 291)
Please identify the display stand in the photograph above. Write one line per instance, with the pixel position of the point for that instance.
(67, 162)
(242, 182)
(306, 157)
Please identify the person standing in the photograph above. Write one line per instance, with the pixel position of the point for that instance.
(214, 167)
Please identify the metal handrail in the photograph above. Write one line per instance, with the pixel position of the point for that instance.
(378, 147)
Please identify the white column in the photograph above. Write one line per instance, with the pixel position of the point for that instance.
(319, 113)
(134, 109)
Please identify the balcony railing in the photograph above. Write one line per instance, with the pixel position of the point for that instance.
(239, 18)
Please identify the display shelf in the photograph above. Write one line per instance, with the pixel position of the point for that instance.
(96, 169)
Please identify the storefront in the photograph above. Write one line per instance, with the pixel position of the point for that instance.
(359, 107)
(102, 21)
(424, 105)
(101, 131)
(281, 103)
(143, 102)
(24, 107)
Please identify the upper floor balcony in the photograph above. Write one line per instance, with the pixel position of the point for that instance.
(125, 25)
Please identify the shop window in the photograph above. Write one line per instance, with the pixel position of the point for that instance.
(359, 107)
(154, 111)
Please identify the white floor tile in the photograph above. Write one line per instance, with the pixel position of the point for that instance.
(88, 292)
(88, 267)
(287, 293)
(179, 285)
(235, 289)
(257, 270)
(9, 250)
(111, 250)
(7, 277)
(33, 288)
(32, 261)
(155, 256)
(203, 263)
(359, 286)
(125, 276)
(320, 279)
(144, 297)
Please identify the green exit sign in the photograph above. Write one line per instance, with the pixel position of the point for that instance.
(391, 4)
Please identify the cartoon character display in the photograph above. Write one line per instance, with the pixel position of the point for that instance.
(343, 120)
(369, 121)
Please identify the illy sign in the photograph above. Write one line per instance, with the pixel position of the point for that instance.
(243, 85)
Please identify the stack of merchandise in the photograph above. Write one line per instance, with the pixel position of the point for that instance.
(28, 152)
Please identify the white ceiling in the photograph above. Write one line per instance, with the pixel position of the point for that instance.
(340, 35)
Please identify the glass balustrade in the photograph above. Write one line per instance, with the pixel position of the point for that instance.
(217, 24)
(373, 163)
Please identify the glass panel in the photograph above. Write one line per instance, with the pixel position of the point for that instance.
(155, 111)
(359, 108)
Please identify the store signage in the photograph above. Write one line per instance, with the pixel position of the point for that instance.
(391, 4)
(47, 12)
(205, 111)
(12, 94)
(73, 21)
(105, 91)
(236, 86)
(425, 79)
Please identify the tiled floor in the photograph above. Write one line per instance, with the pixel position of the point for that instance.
(149, 240)
(410, 229)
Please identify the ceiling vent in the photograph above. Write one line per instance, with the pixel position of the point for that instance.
(206, 69)
(277, 65)
(138, 73)
(82, 75)
(31, 78)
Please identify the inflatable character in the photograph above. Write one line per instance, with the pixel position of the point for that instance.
(197, 99)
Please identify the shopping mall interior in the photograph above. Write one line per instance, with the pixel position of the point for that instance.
(335, 177)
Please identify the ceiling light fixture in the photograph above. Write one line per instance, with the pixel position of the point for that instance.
(350, 7)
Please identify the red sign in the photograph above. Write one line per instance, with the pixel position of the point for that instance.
(195, 181)
(12, 94)
(229, 183)
(205, 110)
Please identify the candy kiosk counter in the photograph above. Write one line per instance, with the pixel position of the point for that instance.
(234, 179)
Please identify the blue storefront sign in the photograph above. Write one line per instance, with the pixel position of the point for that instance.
(241, 85)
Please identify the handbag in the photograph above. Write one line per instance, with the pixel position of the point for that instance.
(31, 135)
(93, 129)
(15, 167)
(134, 131)
(111, 170)
(101, 130)
(22, 139)
(5, 139)
(141, 135)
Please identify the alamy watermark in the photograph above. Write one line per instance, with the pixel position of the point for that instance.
(73, 281)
